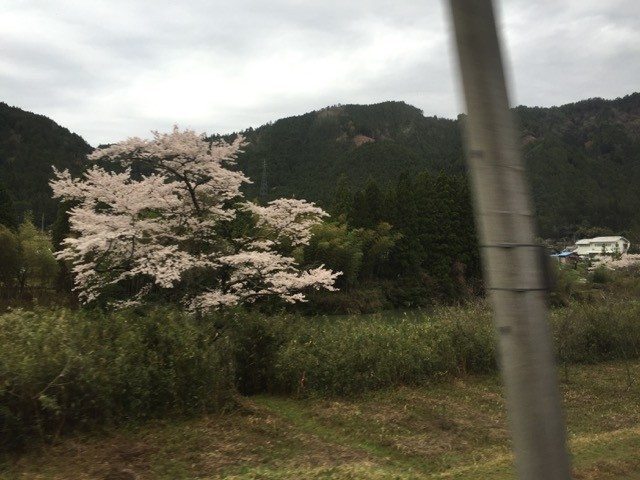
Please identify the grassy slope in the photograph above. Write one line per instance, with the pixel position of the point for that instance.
(448, 430)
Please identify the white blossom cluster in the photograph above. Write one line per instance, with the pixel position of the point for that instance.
(163, 213)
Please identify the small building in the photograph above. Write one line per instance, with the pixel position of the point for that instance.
(588, 247)
(566, 257)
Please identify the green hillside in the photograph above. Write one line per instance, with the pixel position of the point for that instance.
(583, 158)
(29, 145)
(584, 163)
(305, 155)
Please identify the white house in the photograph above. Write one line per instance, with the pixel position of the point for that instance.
(602, 246)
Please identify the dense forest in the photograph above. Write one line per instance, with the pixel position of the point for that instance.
(583, 158)
(406, 245)
(29, 145)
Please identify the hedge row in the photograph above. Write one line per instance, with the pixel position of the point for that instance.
(63, 370)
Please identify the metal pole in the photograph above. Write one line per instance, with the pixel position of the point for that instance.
(512, 261)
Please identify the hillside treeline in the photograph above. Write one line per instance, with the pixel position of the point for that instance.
(583, 158)
(409, 244)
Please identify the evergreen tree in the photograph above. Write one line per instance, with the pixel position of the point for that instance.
(59, 231)
(368, 207)
(9, 258)
(404, 216)
(425, 224)
(8, 216)
(342, 197)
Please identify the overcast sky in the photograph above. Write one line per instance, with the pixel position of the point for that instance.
(112, 69)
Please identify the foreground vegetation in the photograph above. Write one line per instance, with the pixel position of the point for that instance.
(454, 429)
(65, 371)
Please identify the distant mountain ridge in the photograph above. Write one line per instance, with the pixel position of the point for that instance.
(306, 154)
(583, 158)
(29, 145)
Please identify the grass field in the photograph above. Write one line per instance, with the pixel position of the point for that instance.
(452, 429)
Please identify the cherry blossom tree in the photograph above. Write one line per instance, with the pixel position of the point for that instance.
(167, 214)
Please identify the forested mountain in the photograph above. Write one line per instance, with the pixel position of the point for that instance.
(583, 158)
(305, 155)
(584, 162)
(29, 145)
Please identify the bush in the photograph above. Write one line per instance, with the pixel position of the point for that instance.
(624, 283)
(588, 333)
(368, 299)
(66, 370)
(565, 284)
(601, 275)
(63, 370)
(255, 341)
(354, 354)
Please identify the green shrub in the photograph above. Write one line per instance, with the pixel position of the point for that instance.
(566, 284)
(624, 283)
(354, 354)
(369, 299)
(601, 274)
(63, 370)
(589, 333)
(255, 341)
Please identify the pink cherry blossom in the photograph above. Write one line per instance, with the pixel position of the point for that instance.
(154, 230)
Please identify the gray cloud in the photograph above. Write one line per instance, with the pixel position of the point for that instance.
(114, 68)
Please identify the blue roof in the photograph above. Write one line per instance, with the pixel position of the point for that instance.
(563, 254)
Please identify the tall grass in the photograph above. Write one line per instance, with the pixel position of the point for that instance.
(590, 333)
(350, 355)
(63, 370)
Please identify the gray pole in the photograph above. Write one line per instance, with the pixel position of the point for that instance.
(512, 261)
